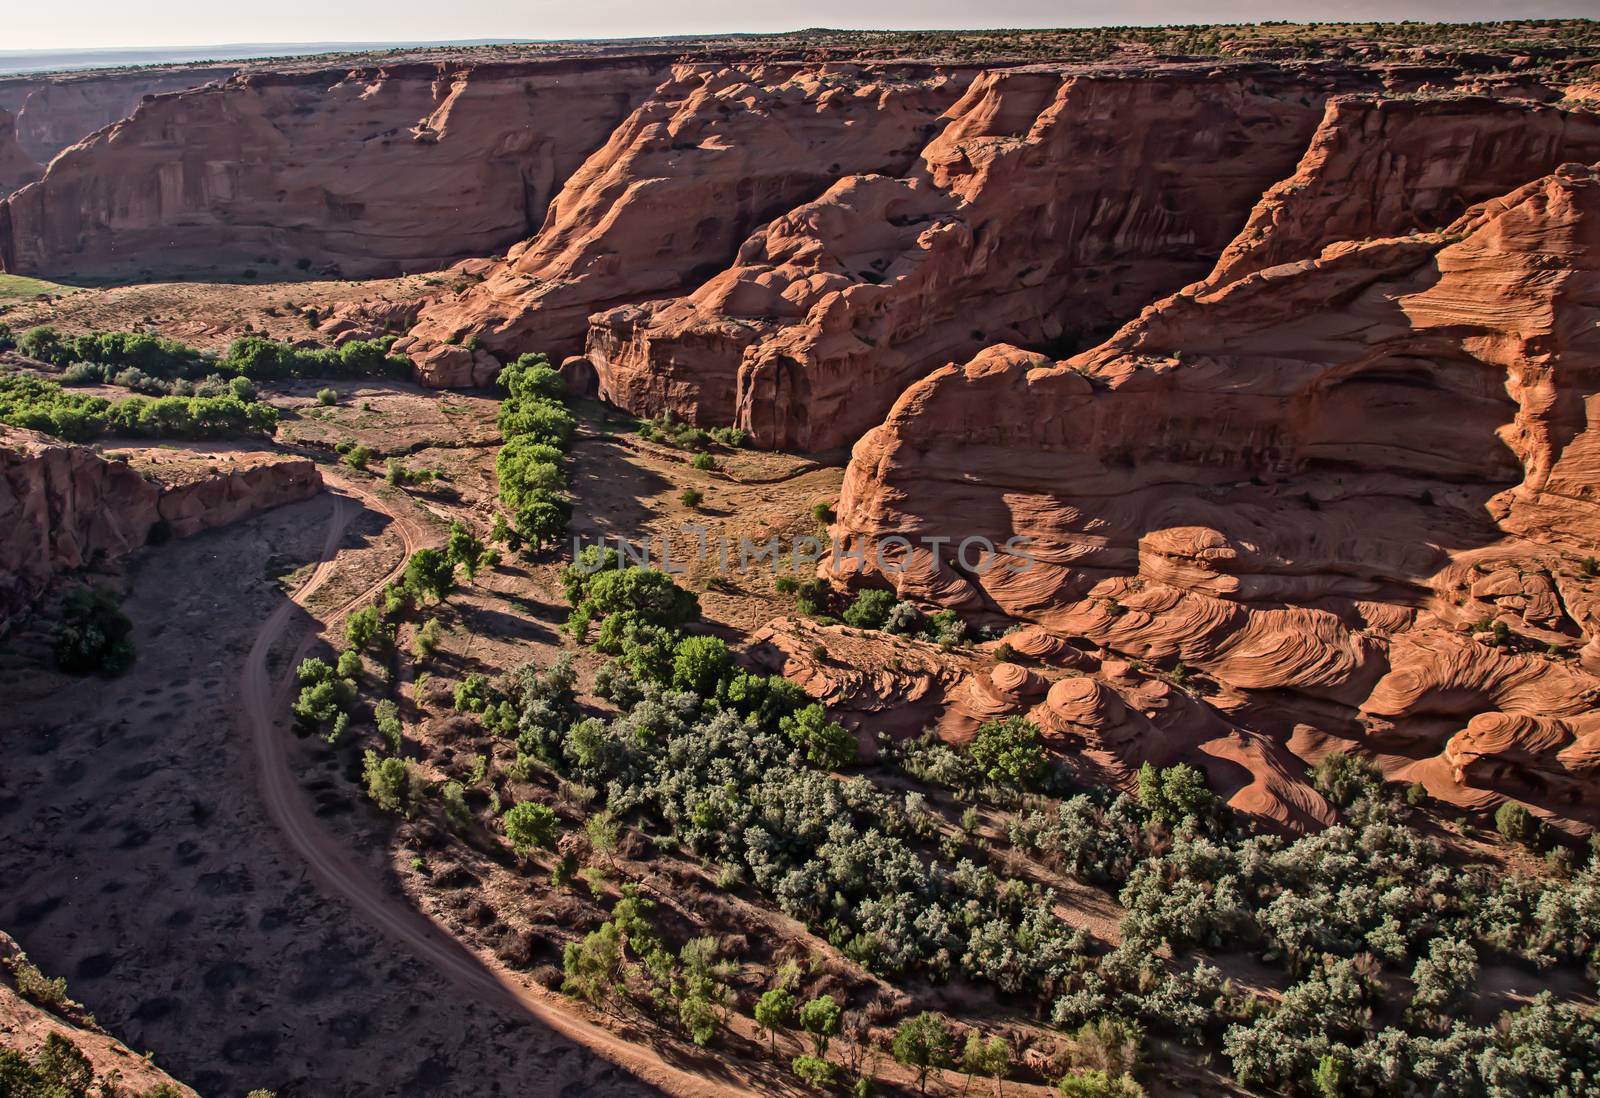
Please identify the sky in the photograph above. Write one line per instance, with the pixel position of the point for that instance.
(95, 24)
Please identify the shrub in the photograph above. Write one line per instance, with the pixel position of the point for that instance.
(822, 513)
(1097, 1084)
(94, 635)
(1009, 752)
(357, 457)
(429, 572)
(1516, 824)
(326, 397)
(821, 1018)
(691, 497)
(733, 437)
(700, 664)
(786, 585)
(924, 1044)
(813, 1071)
(870, 610)
(1177, 793)
(530, 825)
(826, 744)
(704, 462)
(1342, 777)
(389, 782)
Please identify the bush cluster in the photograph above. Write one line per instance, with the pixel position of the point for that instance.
(253, 356)
(94, 636)
(531, 465)
(40, 405)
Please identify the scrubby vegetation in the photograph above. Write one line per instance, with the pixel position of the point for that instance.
(40, 405)
(94, 636)
(107, 356)
(531, 466)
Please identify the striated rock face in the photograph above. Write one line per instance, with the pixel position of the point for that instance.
(64, 507)
(368, 172)
(1382, 167)
(1352, 490)
(62, 109)
(16, 169)
(714, 152)
(1052, 203)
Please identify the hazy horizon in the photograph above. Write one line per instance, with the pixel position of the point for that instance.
(299, 25)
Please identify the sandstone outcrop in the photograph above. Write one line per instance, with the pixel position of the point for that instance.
(1352, 489)
(1052, 204)
(16, 168)
(64, 507)
(714, 152)
(366, 171)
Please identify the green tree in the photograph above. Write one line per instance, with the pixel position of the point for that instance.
(361, 628)
(430, 572)
(1516, 824)
(774, 1012)
(825, 743)
(463, 548)
(924, 1044)
(94, 635)
(700, 664)
(542, 519)
(593, 967)
(529, 825)
(1331, 1077)
(1009, 752)
(990, 1059)
(870, 610)
(388, 781)
(821, 1017)
(813, 1071)
(1177, 793)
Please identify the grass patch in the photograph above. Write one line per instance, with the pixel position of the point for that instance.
(22, 288)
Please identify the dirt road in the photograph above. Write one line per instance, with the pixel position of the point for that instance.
(336, 872)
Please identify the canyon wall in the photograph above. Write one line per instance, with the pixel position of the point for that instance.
(714, 152)
(1342, 485)
(64, 507)
(17, 169)
(60, 109)
(364, 172)
(1051, 204)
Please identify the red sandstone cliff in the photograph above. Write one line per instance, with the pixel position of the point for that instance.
(16, 168)
(1053, 203)
(714, 152)
(1317, 484)
(61, 109)
(368, 171)
(64, 507)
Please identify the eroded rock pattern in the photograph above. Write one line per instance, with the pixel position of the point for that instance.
(1353, 490)
(714, 152)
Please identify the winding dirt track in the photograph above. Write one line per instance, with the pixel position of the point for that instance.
(337, 873)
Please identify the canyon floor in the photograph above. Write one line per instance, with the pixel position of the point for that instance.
(1255, 753)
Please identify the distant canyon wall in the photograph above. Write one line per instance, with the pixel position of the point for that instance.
(361, 172)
